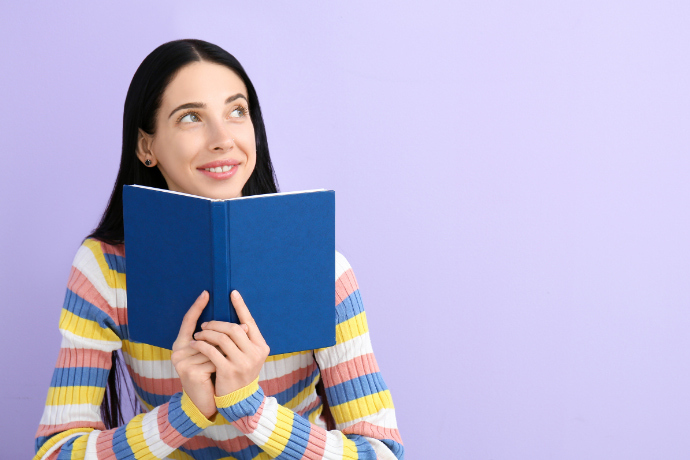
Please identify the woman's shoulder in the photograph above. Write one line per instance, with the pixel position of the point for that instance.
(98, 259)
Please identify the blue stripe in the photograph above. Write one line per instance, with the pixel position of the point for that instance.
(115, 262)
(154, 399)
(79, 376)
(356, 388)
(299, 438)
(349, 307)
(364, 450)
(244, 408)
(292, 391)
(179, 420)
(76, 304)
(121, 446)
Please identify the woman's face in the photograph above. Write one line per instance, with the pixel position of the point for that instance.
(204, 142)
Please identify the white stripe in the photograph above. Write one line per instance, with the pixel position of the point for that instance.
(305, 403)
(91, 446)
(85, 261)
(60, 443)
(66, 413)
(385, 418)
(291, 363)
(334, 445)
(267, 422)
(152, 435)
(341, 352)
(222, 432)
(341, 265)
(153, 369)
(382, 451)
(72, 340)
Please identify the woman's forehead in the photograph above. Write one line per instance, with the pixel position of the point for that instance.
(203, 82)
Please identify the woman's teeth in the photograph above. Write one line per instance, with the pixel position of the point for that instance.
(219, 169)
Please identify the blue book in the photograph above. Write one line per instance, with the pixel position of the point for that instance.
(277, 250)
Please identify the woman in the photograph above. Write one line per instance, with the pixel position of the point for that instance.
(192, 123)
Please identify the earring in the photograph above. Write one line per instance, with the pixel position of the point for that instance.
(147, 162)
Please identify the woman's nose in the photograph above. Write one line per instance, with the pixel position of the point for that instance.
(221, 137)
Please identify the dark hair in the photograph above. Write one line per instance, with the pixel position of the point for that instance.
(141, 108)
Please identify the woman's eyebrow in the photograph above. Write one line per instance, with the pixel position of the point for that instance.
(201, 105)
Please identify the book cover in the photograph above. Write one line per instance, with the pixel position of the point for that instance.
(277, 250)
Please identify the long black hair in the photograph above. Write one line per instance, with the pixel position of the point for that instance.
(141, 108)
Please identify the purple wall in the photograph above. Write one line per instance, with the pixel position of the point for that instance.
(512, 188)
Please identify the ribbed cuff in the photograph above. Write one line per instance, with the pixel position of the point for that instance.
(194, 413)
(241, 403)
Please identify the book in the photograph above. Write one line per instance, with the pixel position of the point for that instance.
(277, 250)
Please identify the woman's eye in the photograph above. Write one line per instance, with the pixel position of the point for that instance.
(238, 112)
(190, 117)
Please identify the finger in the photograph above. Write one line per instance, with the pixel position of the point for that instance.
(212, 353)
(237, 332)
(192, 316)
(246, 318)
(225, 342)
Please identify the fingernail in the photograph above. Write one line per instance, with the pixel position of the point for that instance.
(195, 334)
(203, 324)
(235, 294)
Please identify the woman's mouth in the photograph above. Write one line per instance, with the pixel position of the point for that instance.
(219, 170)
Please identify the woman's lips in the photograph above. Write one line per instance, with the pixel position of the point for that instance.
(222, 169)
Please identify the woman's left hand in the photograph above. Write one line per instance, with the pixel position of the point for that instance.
(242, 344)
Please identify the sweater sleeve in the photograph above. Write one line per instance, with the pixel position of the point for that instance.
(90, 323)
(359, 399)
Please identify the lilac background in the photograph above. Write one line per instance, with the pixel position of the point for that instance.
(512, 190)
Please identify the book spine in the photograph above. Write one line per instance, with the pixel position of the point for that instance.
(220, 297)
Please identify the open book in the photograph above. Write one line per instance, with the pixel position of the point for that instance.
(277, 250)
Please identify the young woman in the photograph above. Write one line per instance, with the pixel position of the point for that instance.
(192, 123)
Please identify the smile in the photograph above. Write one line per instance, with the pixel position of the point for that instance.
(218, 169)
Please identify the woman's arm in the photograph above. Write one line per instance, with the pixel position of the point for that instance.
(90, 324)
(360, 401)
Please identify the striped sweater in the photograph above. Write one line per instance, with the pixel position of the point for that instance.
(277, 416)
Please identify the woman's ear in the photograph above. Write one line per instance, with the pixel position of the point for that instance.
(144, 150)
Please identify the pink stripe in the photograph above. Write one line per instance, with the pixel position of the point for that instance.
(159, 386)
(118, 250)
(48, 430)
(230, 445)
(248, 424)
(373, 431)
(80, 285)
(167, 432)
(274, 386)
(104, 445)
(83, 357)
(54, 455)
(317, 444)
(356, 367)
(345, 285)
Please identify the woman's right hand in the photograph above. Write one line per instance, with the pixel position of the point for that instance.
(193, 367)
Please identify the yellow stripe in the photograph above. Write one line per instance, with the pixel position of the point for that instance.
(301, 396)
(179, 455)
(144, 352)
(261, 456)
(193, 412)
(85, 327)
(281, 434)
(353, 327)
(114, 278)
(79, 447)
(61, 396)
(136, 440)
(236, 396)
(272, 358)
(57, 438)
(316, 414)
(349, 447)
(361, 407)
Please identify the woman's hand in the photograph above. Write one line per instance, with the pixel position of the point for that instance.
(237, 351)
(193, 367)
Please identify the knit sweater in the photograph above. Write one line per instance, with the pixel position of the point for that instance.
(277, 416)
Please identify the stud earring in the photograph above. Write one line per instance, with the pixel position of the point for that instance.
(147, 162)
